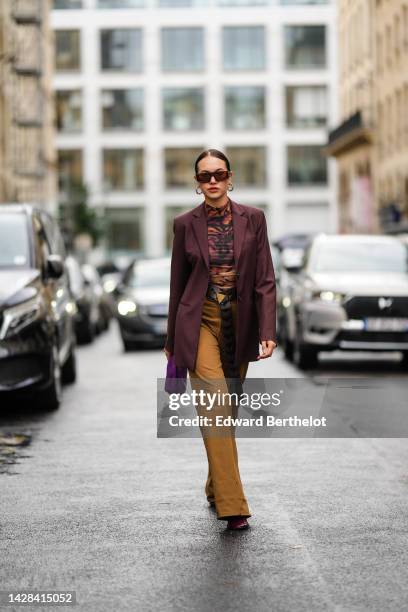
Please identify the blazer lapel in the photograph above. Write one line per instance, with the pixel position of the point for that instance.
(239, 222)
(200, 230)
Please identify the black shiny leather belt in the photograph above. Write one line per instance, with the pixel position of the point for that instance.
(213, 291)
(227, 345)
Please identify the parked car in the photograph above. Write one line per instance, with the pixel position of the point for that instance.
(111, 275)
(276, 260)
(87, 303)
(350, 293)
(94, 281)
(142, 303)
(296, 241)
(37, 337)
(289, 262)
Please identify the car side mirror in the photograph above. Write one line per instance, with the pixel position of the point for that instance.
(55, 266)
(294, 269)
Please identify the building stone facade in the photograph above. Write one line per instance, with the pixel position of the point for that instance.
(371, 143)
(27, 154)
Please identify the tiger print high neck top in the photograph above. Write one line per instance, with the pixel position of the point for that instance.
(221, 245)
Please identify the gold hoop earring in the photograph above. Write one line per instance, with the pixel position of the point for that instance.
(198, 191)
(230, 185)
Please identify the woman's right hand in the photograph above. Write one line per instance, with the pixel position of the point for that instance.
(167, 353)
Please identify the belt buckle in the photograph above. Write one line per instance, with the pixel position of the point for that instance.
(212, 294)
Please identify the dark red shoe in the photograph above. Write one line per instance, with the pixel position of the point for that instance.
(237, 523)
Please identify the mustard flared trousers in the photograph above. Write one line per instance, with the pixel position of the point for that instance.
(223, 485)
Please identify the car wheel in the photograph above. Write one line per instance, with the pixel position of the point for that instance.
(51, 396)
(304, 356)
(106, 323)
(287, 344)
(69, 371)
(127, 346)
(88, 335)
(404, 361)
(130, 345)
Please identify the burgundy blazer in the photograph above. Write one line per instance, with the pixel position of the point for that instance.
(190, 272)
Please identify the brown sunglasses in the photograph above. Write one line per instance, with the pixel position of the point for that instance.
(205, 176)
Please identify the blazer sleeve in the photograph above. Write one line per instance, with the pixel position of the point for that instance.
(180, 270)
(265, 285)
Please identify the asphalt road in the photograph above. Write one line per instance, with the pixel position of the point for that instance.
(96, 503)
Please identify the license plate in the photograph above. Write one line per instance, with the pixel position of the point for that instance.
(158, 310)
(161, 328)
(386, 324)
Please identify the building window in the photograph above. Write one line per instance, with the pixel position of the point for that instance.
(307, 217)
(120, 4)
(121, 50)
(67, 50)
(243, 47)
(305, 46)
(242, 2)
(303, 2)
(244, 107)
(69, 168)
(179, 167)
(68, 112)
(124, 229)
(181, 3)
(182, 49)
(306, 106)
(122, 109)
(248, 165)
(123, 169)
(183, 108)
(307, 165)
(67, 4)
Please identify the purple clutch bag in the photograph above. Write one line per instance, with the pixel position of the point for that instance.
(176, 377)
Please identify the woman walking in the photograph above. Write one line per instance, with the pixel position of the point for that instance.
(222, 307)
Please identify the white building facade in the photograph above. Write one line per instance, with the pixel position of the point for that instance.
(143, 86)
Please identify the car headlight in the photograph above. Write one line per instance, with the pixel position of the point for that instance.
(19, 316)
(329, 296)
(109, 285)
(127, 307)
(71, 308)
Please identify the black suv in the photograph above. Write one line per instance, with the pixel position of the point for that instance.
(37, 337)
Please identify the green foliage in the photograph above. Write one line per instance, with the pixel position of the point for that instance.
(77, 217)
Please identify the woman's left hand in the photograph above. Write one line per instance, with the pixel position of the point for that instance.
(268, 347)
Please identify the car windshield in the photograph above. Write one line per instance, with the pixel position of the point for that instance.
(14, 242)
(361, 257)
(149, 274)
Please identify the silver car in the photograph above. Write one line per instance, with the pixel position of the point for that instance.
(350, 293)
(143, 303)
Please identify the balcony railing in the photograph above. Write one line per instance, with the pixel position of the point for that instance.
(354, 131)
(27, 11)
